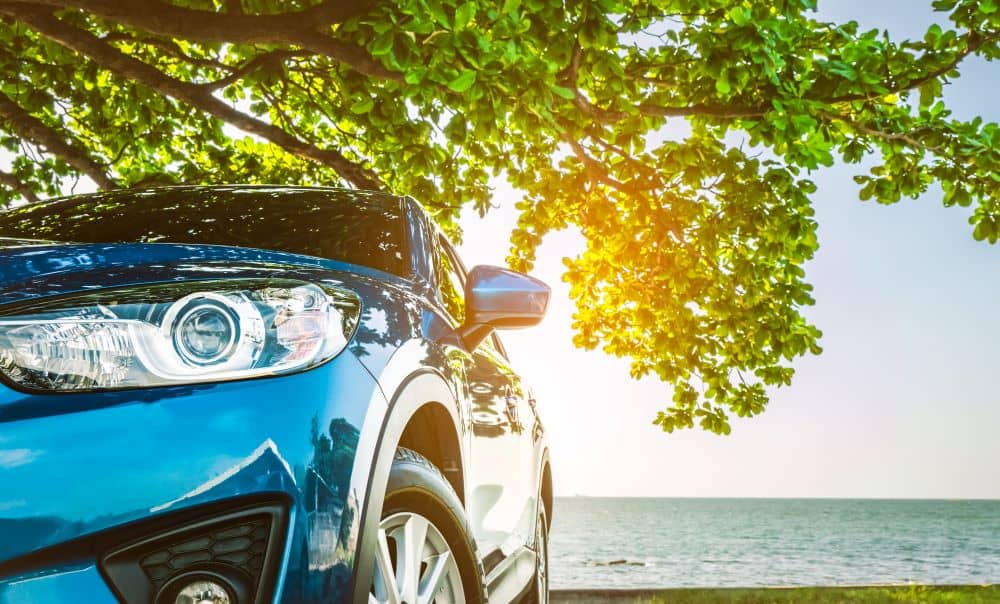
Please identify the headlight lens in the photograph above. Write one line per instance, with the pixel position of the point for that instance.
(177, 334)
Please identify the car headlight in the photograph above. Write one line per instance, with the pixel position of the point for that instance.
(184, 333)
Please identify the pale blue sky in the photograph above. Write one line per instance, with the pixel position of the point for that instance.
(902, 403)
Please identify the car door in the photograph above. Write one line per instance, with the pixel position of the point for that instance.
(499, 484)
(501, 465)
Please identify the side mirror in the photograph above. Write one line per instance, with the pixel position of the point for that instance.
(499, 298)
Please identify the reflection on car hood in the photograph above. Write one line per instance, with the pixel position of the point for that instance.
(14, 242)
(40, 269)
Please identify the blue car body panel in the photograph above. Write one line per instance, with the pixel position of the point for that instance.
(81, 583)
(77, 467)
(73, 465)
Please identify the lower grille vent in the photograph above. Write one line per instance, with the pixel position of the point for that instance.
(241, 545)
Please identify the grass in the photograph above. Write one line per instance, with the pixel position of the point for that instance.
(830, 595)
(971, 594)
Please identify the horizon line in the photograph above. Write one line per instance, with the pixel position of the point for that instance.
(761, 497)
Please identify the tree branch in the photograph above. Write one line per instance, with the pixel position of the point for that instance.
(257, 62)
(889, 136)
(169, 48)
(595, 170)
(236, 72)
(175, 21)
(705, 109)
(906, 138)
(31, 128)
(9, 180)
(354, 57)
(300, 29)
(200, 98)
(974, 41)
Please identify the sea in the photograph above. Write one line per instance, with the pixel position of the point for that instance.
(599, 542)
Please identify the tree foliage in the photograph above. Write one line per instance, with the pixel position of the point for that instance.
(695, 244)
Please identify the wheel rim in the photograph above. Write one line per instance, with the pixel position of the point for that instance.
(414, 564)
(542, 568)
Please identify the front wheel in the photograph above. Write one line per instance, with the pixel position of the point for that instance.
(540, 593)
(423, 551)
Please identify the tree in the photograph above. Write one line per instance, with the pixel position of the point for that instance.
(695, 245)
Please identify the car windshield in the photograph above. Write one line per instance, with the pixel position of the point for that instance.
(352, 226)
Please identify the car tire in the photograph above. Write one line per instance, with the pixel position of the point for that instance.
(539, 593)
(424, 551)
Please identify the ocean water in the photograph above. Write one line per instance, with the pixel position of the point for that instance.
(634, 543)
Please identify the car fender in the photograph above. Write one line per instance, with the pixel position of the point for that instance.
(543, 460)
(381, 433)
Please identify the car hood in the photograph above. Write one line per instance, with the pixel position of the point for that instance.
(38, 269)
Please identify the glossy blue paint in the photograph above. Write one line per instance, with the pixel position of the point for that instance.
(80, 583)
(47, 270)
(78, 469)
(73, 465)
(500, 297)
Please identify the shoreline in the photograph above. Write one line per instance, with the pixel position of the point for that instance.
(987, 593)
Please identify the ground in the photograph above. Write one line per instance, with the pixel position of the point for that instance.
(971, 594)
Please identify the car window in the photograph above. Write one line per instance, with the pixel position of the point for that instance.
(451, 282)
(362, 228)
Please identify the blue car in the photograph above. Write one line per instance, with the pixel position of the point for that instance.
(236, 394)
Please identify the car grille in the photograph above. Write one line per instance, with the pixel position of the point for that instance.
(241, 545)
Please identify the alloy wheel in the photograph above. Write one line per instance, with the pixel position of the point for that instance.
(414, 564)
(542, 566)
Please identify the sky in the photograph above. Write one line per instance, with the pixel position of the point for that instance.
(904, 402)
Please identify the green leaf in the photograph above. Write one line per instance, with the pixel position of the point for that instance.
(363, 106)
(741, 15)
(722, 82)
(464, 15)
(415, 76)
(843, 69)
(929, 91)
(464, 81)
(980, 232)
(566, 93)
(439, 13)
(933, 33)
(382, 44)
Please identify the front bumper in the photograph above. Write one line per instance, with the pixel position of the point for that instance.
(84, 474)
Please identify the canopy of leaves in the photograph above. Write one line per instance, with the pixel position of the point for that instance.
(693, 267)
